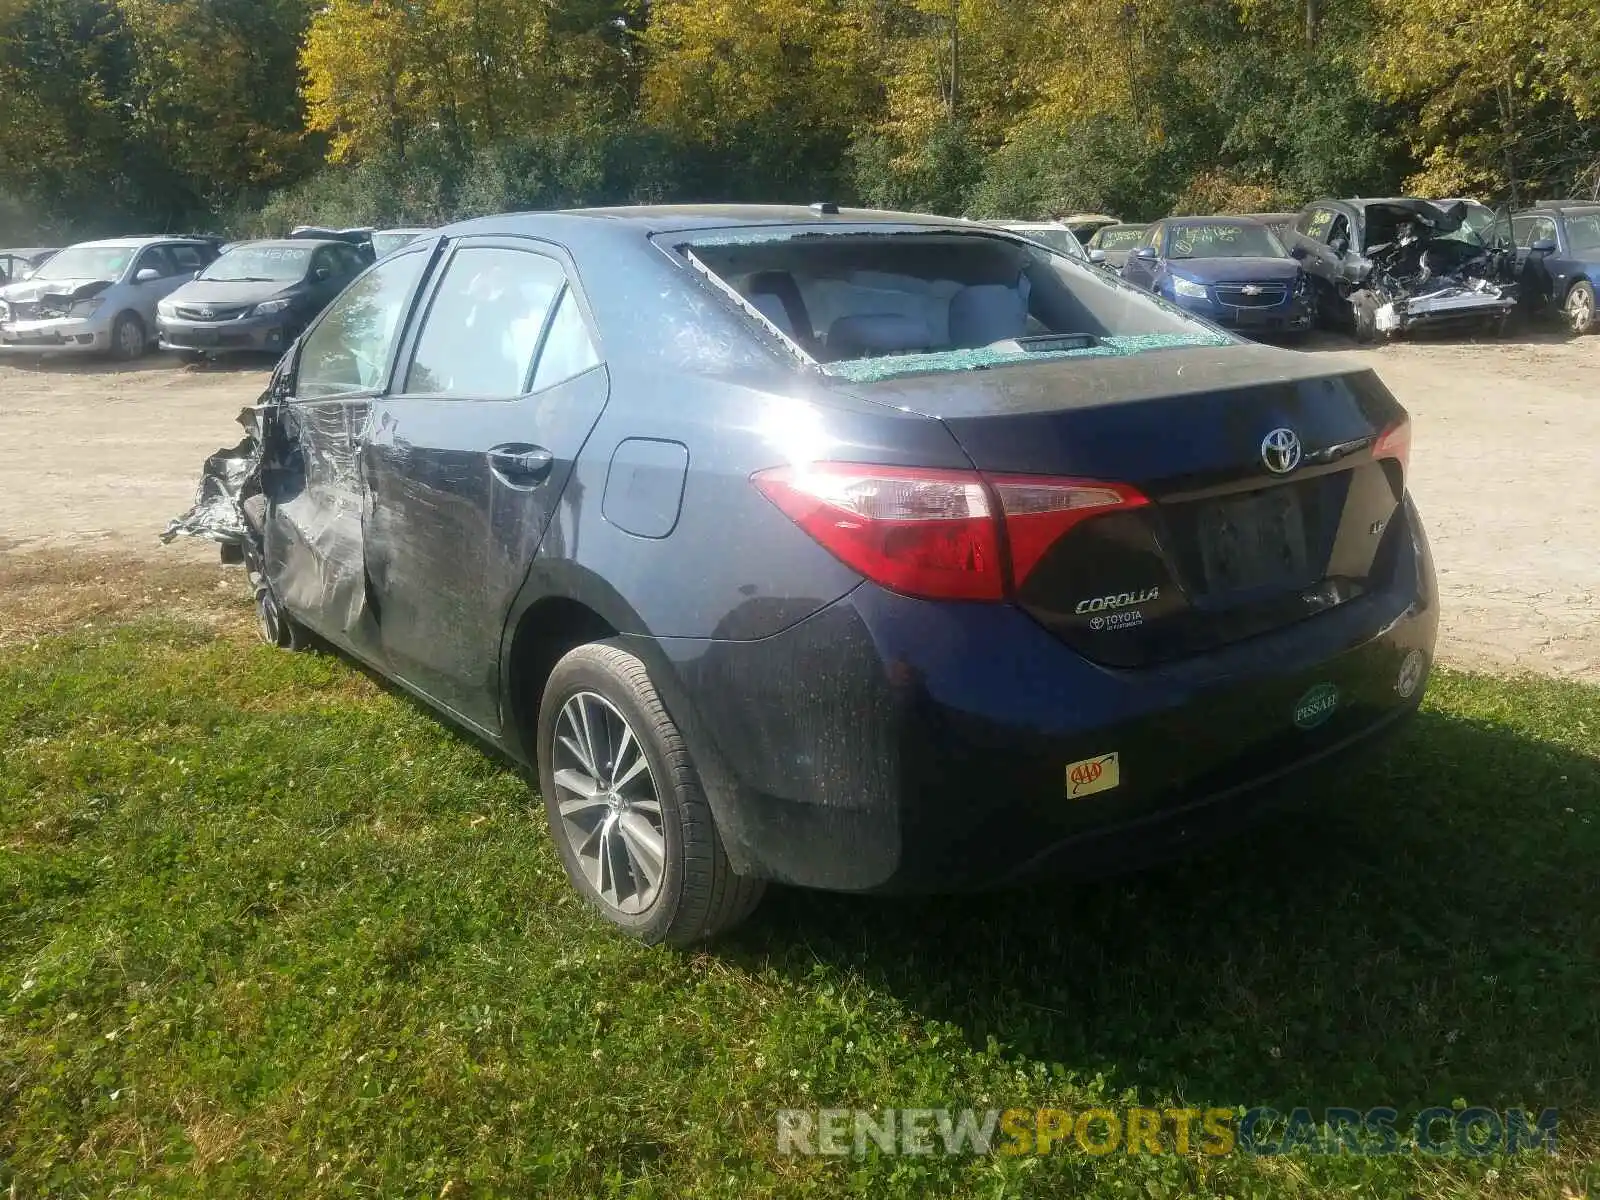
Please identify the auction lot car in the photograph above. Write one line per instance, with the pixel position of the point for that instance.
(1116, 242)
(1559, 243)
(862, 551)
(1230, 270)
(17, 263)
(1384, 266)
(99, 296)
(257, 296)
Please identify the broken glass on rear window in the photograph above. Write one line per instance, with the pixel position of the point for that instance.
(871, 303)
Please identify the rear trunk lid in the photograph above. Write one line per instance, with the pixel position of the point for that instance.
(1232, 544)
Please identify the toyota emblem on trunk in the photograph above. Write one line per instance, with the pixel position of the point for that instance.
(1280, 451)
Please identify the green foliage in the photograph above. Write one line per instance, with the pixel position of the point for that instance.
(269, 929)
(146, 114)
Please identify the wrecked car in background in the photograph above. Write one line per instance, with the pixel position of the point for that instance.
(256, 297)
(1558, 244)
(19, 262)
(856, 550)
(99, 297)
(1384, 266)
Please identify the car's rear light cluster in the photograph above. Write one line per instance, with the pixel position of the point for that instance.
(937, 534)
(1395, 442)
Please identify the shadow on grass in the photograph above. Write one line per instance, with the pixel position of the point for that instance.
(1426, 931)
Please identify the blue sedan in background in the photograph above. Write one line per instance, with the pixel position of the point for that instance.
(1558, 245)
(1232, 271)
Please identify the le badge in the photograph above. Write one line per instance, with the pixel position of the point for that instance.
(1091, 775)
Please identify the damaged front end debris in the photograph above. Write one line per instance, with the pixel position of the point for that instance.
(1427, 268)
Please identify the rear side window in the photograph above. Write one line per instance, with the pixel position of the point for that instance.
(568, 349)
(482, 328)
(1315, 224)
(349, 349)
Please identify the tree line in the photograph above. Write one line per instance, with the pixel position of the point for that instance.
(251, 115)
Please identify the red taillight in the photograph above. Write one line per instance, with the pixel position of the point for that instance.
(922, 532)
(935, 533)
(1395, 442)
(1039, 512)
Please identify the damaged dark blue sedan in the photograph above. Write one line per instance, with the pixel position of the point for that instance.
(859, 551)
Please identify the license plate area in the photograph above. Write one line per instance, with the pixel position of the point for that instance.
(1250, 543)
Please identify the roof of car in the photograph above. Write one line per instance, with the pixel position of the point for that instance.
(29, 251)
(134, 243)
(683, 218)
(1562, 206)
(1224, 219)
(305, 243)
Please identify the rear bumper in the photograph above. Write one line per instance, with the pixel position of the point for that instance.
(894, 745)
(270, 334)
(81, 334)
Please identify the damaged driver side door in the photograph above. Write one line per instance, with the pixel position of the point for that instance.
(313, 555)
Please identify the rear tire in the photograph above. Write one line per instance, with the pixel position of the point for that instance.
(129, 338)
(1579, 308)
(626, 807)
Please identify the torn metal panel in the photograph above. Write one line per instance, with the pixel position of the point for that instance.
(314, 554)
(229, 479)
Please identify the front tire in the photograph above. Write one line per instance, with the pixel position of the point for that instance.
(626, 807)
(129, 338)
(1364, 316)
(1579, 308)
(276, 627)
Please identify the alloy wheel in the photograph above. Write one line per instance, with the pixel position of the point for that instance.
(609, 806)
(130, 339)
(1580, 310)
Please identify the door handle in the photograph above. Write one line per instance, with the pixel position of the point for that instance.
(521, 465)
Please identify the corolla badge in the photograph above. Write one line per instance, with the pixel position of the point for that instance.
(1280, 451)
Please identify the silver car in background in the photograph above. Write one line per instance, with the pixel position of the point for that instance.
(99, 297)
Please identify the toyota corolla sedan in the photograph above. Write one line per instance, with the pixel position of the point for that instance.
(861, 551)
(257, 297)
(1230, 270)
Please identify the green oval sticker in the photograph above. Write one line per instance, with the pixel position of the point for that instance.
(1316, 706)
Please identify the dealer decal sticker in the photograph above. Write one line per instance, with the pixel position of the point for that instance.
(1092, 775)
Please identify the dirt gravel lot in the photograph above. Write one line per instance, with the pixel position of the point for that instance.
(94, 459)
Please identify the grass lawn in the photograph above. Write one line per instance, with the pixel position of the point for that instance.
(267, 928)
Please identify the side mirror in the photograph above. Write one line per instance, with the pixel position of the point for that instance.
(1144, 254)
(1297, 251)
(1097, 257)
(1543, 246)
(147, 275)
(322, 274)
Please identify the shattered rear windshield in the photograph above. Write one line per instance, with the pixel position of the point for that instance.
(918, 300)
(88, 262)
